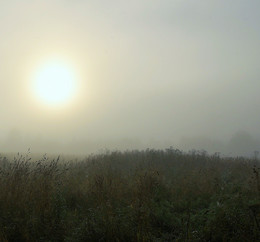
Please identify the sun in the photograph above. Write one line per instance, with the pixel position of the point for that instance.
(54, 82)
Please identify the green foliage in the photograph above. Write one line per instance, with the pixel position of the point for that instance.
(151, 195)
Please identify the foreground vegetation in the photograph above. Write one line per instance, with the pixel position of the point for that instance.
(152, 195)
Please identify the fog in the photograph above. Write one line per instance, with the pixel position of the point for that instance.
(153, 74)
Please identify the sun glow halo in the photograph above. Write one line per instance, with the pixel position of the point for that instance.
(54, 83)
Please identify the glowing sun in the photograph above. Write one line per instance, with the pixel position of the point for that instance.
(54, 83)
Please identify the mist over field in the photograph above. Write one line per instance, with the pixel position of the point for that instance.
(129, 120)
(240, 144)
(152, 74)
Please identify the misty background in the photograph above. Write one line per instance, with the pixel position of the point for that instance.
(154, 74)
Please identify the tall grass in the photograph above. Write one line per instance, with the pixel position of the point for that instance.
(151, 195)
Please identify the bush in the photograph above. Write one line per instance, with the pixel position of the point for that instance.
(150, 195)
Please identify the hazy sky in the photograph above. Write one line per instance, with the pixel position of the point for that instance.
(150, 71)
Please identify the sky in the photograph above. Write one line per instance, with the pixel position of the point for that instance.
(151, 74)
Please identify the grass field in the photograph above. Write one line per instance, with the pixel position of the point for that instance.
(150, 195)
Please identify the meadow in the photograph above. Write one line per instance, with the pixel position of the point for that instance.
(149, 195)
